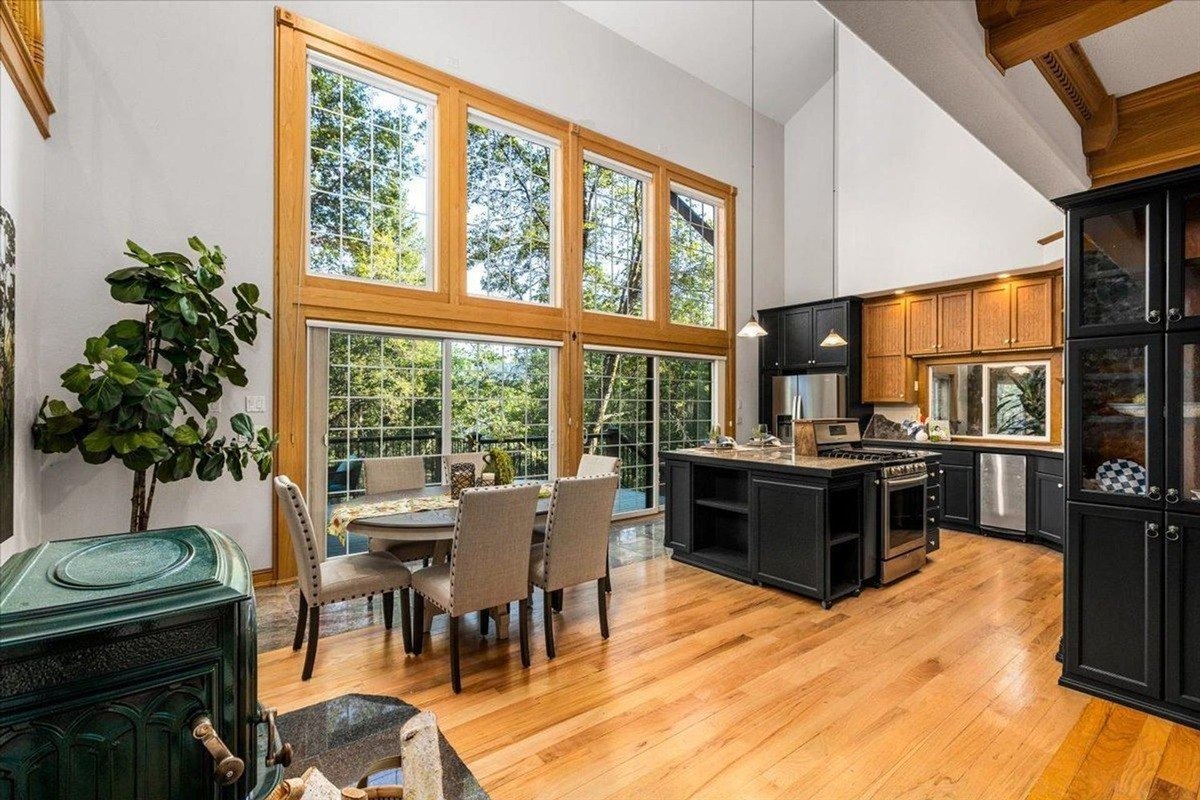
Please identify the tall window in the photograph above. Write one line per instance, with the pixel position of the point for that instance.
(637, 405)
(501, 397)
(614, 239)
(370, 145)
(510, 212)
(693, 265)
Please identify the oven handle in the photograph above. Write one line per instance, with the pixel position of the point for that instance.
(904, 483)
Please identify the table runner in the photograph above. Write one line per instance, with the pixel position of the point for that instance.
(344, 515)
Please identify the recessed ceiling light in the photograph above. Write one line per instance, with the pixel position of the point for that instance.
(1003, 275)
(898, 291)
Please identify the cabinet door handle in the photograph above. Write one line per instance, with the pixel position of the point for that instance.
(1172, 495)
(1060, 486)
(227, 767)
(1154, 317)
(1151, 530)
(1172, 533)
(1154, 493)
(1174, 314)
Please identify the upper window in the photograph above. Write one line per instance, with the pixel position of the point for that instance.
(369, 174)
(693, 260)
(997, 400)
(510, 212)
(614, 238)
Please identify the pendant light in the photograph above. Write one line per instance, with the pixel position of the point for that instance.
(752, 330)
(834, 339)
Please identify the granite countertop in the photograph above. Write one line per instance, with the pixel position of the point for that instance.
(966, 444)
(780, 458)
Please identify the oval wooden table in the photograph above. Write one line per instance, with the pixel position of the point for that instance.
(434, 525)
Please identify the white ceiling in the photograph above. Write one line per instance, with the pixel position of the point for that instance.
(711, 40)
(1152, 48)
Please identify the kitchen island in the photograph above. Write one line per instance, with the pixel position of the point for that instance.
(766, 515)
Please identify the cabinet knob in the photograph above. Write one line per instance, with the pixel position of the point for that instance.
(1060, 486)
(1174, 314)
(1151, 530)
(1172, 495)
(1172, 533)
(1154, 317)
(1154, 493)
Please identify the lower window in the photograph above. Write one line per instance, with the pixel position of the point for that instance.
(997, 400)
(636, 405)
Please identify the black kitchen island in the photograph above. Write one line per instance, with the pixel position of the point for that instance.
(768, 516)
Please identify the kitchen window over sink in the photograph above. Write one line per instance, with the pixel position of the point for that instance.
(993, 400)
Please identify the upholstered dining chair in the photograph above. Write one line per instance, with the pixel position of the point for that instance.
(489, 564)
(383, 475)
(344, 578)
(576, 546)
(589, 465)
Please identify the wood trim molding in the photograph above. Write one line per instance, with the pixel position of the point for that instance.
(1019, 30)
(1070, 73)
(1053, 237)
(300, 297)
(24, 69)
(1158, 130)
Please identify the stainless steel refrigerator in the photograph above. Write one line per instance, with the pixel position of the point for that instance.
(819, 396)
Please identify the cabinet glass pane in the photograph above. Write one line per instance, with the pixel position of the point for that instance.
(1190, 408)
(1191, 256)
(1113, 409)
(1113, 268)
(1114, 420)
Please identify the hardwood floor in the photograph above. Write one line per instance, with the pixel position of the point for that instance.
(939, 686)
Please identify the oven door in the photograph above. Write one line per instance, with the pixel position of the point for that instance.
(903, 514)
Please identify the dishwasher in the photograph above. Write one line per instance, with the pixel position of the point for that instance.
(1002, 494)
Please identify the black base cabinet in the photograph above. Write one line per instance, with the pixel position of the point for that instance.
(958, 493)
(1132, 608)
(1047, 501)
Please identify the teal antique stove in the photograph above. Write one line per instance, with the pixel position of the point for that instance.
(128, 671)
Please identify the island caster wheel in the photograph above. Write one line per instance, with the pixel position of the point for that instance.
(825, 604)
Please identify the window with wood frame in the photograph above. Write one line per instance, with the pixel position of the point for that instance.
(474, 222)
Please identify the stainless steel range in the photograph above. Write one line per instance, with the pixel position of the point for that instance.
(902, 495)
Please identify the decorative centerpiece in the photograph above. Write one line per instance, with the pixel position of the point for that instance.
(500, 464)
(462, 476)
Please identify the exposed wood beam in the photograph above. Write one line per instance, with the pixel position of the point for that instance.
(1018, 32)
(1070, 74)
(1158, 129)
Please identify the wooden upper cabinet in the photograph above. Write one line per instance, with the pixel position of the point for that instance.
(1032, 313)
(1059, 319)
(923, 325)
(883, 328)
(954, 322)
(992, 317)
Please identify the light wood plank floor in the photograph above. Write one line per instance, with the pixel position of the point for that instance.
(940, 686)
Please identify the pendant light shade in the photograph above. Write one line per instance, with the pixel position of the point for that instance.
(834, 339)
(752, 329)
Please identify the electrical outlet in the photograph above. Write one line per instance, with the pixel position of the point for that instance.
(256, 404)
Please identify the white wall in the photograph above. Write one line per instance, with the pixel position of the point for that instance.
(164, 129)
(808, 200)
(920, 200)
(21, 188)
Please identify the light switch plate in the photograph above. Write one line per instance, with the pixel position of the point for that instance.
(256, 404)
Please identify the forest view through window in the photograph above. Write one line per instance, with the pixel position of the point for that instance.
(635, 406)
(998, 400)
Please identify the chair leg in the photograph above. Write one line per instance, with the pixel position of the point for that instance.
(406, 620)
(548, 623)
(483, 621)
(556, 600)
(301, 618)
(455, 673)
(602, 596)
(389, 605)
(418, 623)
(314, 632)
(607, 577)
(523, 611)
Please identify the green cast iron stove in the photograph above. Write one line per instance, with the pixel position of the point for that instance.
(128, 670)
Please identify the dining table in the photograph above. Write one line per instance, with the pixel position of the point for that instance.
(434, 525)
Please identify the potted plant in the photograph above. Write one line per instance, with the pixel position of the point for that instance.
(144, 389)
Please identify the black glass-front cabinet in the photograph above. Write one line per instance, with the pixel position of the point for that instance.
(1132, 469)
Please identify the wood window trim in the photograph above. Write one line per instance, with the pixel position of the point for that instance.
(446, 307)
(24, 70)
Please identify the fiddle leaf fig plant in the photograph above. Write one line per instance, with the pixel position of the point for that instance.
(143, 391)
